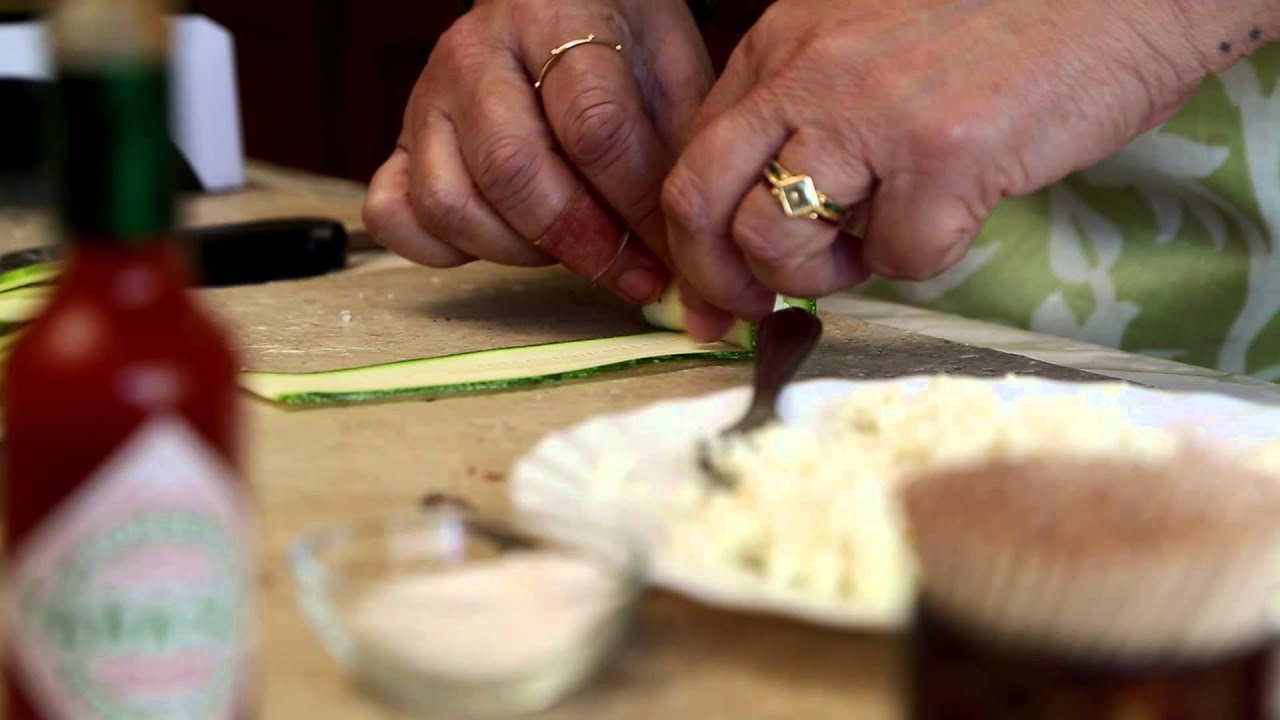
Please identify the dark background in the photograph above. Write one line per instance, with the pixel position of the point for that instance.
(323, 82)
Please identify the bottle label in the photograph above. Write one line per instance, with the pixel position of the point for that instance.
(133, 599)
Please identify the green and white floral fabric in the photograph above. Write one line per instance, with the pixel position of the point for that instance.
(1169, 248)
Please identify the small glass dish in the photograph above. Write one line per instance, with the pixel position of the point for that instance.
(446, 611)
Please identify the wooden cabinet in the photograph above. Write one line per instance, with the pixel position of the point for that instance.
(323, 83)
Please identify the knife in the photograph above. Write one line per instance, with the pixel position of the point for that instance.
(245, 253)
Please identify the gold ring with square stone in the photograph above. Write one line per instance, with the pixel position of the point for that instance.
(799, 196)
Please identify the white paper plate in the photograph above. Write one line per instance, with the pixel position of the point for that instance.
(559, 480)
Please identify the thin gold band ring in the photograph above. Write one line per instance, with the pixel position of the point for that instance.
(555, 55)
(621, 246)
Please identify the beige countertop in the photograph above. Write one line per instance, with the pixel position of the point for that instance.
(313, 467)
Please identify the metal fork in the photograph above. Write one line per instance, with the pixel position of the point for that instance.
(784, 340)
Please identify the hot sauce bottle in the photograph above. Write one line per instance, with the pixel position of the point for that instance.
(127, 524)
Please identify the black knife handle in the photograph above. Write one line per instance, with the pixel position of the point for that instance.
(265, 251)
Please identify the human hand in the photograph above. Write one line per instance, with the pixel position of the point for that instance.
(918, 116)
(485, 168)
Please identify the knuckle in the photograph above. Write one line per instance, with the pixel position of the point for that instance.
(927, 259)
(454, 47)
(532, 13)
(757, 238)
(599, 129)
(761, 41)
(754, 46)
(942, 142)
(442, 210)
(479, 104)
(774, 19)
(610, 19)
(376, 214)
(822, 43)
(1012, 177)
(609, 22)
(507, 169)
(685, 200)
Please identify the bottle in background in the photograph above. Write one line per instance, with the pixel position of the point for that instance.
(127, 522)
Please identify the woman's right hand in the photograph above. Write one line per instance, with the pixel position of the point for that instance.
(486, 169)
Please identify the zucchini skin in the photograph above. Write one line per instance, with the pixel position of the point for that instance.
(29, 275)
(668, 311)
(743, 335)
(515, 383)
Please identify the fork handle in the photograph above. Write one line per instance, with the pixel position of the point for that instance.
(784, 341)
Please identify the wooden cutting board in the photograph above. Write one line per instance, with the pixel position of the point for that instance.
(385, 309)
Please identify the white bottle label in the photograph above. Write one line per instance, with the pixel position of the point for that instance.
(133, 600)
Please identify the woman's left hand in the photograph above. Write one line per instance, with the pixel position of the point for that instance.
(918, 116)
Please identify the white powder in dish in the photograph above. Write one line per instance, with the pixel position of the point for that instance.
(488, 621)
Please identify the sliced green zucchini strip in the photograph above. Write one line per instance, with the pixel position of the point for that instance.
(504, 368)
(40, 292)
(20, 309)
(669, 312)
(29, 275)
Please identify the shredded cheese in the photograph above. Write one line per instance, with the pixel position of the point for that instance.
(814, 511)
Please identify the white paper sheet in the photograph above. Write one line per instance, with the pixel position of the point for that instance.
(206, 98)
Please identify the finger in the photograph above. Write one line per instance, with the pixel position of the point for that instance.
(681, 72)
(734, 83)
(510, 154)
(916, 230)
(623, 264)
(703, 320)
(595, 109)
(389, 217)
(804, 256)
(449, 207)
(757, 50)
(720, 166)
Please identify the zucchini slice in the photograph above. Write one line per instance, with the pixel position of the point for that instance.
(20, 308)
(39, 292)
(668, 313)
(29, 275)
(504, 368)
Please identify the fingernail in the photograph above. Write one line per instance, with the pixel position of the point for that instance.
(640, 285)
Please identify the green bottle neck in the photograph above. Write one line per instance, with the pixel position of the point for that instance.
(113, 154)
